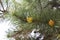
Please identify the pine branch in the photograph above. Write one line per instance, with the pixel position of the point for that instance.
(2, 7)
(1, 4)
(17, 33)
(40, 4)
(7, 5)
(20, 18)
(3, 10)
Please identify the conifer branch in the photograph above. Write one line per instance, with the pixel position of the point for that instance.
(1, 4)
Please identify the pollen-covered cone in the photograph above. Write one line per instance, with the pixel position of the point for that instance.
(51, 22)
(29, 19)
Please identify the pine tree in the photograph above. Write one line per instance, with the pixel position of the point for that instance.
(34, 14)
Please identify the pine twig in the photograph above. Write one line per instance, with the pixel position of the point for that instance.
(3, 10)
(1, 4)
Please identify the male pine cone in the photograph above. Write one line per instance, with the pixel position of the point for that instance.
(29, 19)
(51, 23)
